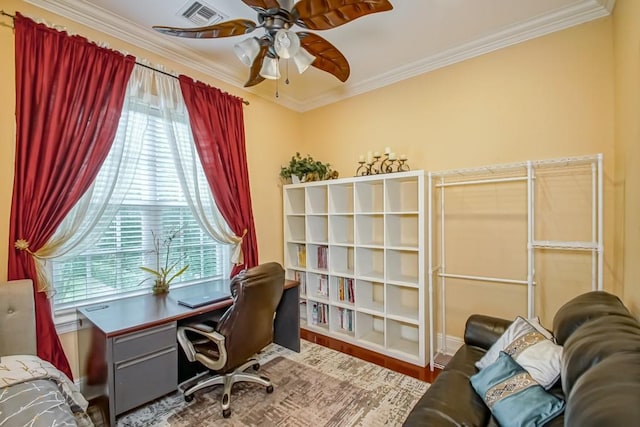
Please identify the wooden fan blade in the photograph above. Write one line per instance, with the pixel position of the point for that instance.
(234, 27)
(254, 74)
(261, 5)
(327, 14)
(328, 57)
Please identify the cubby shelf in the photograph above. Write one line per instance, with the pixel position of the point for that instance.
(357, 245)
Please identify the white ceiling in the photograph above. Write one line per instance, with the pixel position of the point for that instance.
(415, 37)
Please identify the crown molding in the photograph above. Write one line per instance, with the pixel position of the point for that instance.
(560, 19)
(608, 4)
(107, 22)
(118, 27)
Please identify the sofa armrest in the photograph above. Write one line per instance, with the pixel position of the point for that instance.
(482, 331)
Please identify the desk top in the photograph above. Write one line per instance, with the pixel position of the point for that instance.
(144, 311)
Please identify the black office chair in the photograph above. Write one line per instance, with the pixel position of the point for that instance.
(227, 348)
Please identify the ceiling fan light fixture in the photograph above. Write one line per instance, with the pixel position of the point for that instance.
(286, 43)
(247, 50)
(303, 59)
(270, 68)
(276, 18)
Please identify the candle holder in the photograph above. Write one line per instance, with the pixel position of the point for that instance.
(403, 166)
(388, 164)
(376, 166)
(362, 169)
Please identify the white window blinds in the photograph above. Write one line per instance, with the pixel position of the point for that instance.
(154, 202)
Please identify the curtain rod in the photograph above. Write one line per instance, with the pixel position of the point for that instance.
(244, 101)
(2, 12)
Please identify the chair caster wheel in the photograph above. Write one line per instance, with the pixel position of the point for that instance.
(256, 366)
(269, 389)
(226, 413)
(188, 397)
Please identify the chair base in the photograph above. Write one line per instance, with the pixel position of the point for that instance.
(227, 380)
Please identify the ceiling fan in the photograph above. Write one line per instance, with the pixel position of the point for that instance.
(262, 54)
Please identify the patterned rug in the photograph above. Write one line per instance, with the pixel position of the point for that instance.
(316, 387)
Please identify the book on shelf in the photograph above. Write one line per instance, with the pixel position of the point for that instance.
(345, 319)
(303, 309)
(319, 313)
(322, 257)
(323, 286)
(302, 256)
(301, 277)
(345, 290)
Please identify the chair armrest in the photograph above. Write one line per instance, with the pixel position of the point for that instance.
(482, 331)
(202, 327)
(209, 333)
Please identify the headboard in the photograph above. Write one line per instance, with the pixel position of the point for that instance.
(17, 318)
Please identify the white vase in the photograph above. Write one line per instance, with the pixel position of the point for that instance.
(295, 179)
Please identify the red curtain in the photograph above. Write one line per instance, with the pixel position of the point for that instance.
(217, 123)
(69, 97)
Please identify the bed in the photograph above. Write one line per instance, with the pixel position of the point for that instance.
(32, 391)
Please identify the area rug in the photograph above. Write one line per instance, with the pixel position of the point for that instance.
(316, 387)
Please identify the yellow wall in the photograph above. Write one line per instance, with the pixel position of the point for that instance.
(7, 137)
(546, 98)
(626, 36)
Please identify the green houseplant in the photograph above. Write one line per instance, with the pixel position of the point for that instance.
(306, 169)
(163, 274)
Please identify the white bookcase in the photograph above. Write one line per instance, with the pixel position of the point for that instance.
(357, 247)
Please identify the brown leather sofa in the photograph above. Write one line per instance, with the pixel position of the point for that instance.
(600, 377)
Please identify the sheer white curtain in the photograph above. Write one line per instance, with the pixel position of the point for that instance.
(91, 217)
(93, 213)
(190, 173)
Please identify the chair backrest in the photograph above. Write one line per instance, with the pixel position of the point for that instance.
(248, 324)
(17, 318)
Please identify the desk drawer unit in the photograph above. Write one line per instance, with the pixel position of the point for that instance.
(143, 342)
(145, 366)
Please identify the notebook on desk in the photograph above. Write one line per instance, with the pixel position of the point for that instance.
(200, 300)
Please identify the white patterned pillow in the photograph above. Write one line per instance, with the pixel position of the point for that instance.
(529, 344)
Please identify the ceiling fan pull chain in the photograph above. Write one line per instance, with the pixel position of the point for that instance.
(287, 71)
(277, 93)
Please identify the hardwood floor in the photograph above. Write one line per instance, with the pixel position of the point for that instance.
(423, 374)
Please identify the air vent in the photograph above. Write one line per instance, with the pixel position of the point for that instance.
(200, 13)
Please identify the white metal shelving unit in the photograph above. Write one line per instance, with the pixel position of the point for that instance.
(357, 247)
(525, 172)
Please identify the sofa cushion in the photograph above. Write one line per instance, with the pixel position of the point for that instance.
(608, 394)
(529, 344)
(465, 359)
(482, 331)
(519, 327)
(513, 396)
(583, 308)
(594, 342)
(449, 401)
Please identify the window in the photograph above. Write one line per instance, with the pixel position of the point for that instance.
(154, 202)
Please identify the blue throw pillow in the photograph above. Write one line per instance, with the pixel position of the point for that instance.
(514, 398)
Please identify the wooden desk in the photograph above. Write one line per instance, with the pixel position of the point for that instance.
(133, 353)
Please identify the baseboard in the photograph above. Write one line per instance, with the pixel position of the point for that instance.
(449, 346)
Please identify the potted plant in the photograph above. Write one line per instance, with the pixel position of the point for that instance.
(304, 169)
(163, 274)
